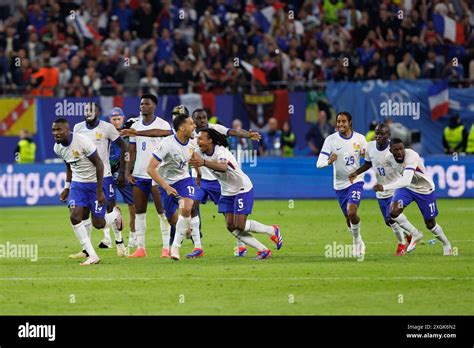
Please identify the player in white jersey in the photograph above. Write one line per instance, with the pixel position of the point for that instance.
(236, 200)
(209, 187)
(141, 150)
(415, 184)
(102, 134)
(84, 177)
(343, 150)
(376, 158)
(169, 167)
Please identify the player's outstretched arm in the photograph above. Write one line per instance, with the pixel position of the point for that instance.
(242, 133)
(152, 133)
(130, 162)
(197, 161)
(153, 172)
(366, 166)
(99, 170)
(65, 193)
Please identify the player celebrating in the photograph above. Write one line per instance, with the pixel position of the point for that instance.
(209, 187)
(102, 134)
(345, 149)
(117, 119)
(141, 148)
(414, 185)
(376, 158)
(169, 168)
(84, 177)
(236, 200)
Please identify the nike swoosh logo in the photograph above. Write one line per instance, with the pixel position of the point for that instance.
(338, 149)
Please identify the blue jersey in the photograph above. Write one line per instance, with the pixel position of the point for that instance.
(115, 151)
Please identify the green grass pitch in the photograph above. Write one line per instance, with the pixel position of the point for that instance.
(298, 280)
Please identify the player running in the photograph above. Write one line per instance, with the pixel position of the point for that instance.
(84, 179)
(236, 199)
(102, 134)
(345, 149)
(208, 186)
(376, 158)
(140, 149)
(414, 185)
(169, 167)
(117, 119)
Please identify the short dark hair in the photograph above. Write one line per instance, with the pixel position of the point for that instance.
(61, 120)
(216, 137)
(345, 113)
(396, 141)
(199, 110)
(96, 105)
(150, 96)
(179, 120)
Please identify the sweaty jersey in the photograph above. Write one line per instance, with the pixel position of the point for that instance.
(146, 145)
(206, 173)
(349, 151)
(76, 155)
(174, 157)
(384, 173)
(233, 181)
(101, 135)
(414, 175)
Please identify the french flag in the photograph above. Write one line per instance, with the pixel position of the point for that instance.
(264, 17)
(259, 74)
(438, 99)
(85, 29)
(449, 29)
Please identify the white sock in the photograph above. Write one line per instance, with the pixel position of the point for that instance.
(165, 230)
(88, 225)
(117, 233)
(355, 230)
(405, 224)
(140, 227)
(195, 232)
(107, 232)
(249, 240)
(398, 231)
(132, 235)
(240, 244)
(182, 226)
(439, 234)
(81, 234)
(257, 227)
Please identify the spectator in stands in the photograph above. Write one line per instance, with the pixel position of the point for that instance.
(129, 76)
(470, 141)
(288, 140)
(432, 68)
(45, 80)
(271, 140)
(408, 69)
(25, 151)
(149, 83)
(318, 132)
(370, 135)
(455, 136)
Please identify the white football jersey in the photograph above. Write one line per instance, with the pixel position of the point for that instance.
(421, 181)
(146, 145)
(101, 135)
(384, 172)
(349, 151)
(76, 155)
(174, 157)
(206, 173)
(233, 181)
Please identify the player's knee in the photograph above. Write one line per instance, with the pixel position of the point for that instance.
(75, 219)
(230, 227)
(186, 212)
(98, 224)
(394, 212)
(352, 214)
(430, 224)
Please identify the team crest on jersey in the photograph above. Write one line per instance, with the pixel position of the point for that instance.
(98, 136)
(356, 146)
(75, 154)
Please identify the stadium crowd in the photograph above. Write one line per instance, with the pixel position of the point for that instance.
(128, 47)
